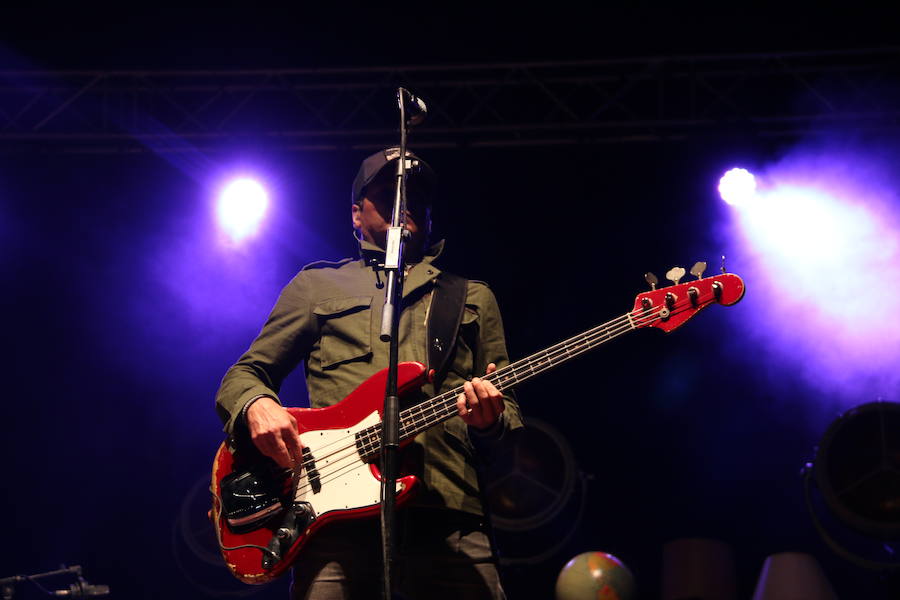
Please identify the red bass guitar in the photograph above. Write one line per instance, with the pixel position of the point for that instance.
(264, 515)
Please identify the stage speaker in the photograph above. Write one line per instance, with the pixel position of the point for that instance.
(536, 495)
(195, 550)
(857, 472)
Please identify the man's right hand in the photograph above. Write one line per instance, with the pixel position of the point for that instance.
(274, 432)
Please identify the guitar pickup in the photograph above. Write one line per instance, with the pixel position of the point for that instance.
(312, 473)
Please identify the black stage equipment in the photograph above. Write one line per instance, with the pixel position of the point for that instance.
(80, 589)
(857, 472)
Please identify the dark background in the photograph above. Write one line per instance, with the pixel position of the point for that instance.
(121, 314)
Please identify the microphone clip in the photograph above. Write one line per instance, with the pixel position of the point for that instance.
(413, 107)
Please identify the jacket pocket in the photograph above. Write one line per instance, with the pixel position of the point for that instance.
(346, 326)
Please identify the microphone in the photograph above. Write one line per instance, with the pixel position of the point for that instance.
(416, 108)
(83, 589)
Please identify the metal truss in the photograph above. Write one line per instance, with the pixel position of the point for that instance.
(512, 104)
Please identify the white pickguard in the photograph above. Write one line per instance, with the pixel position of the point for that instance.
(347, 481)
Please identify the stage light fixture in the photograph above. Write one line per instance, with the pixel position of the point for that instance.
(737, 186)
(241, 207)
(857, 473)
(537, 495)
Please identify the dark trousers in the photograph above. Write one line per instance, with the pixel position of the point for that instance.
(441, 555)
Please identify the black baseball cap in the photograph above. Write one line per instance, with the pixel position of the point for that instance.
(371, 167)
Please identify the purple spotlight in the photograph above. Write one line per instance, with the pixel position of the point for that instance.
(822, 249)
(737, 186)
(241, 207)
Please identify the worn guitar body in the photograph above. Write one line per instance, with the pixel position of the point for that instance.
(344, 482)
(265, 515)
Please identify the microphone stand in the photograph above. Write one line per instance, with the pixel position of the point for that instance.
(394, 264)
(7, 584)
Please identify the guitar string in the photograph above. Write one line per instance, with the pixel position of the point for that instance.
(571, 347)
(544, 360)
(587, 341)
(449, 410)
(521, 364)
(445, 404)
(437, 399)
(517, 366)
(511, 371)
(335, 469)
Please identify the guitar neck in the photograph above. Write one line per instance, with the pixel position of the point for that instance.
(667, 309)
(418, 418)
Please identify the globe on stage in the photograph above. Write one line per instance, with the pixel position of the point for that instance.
(595, 576)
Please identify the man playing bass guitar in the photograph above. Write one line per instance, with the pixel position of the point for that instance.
(327, 318)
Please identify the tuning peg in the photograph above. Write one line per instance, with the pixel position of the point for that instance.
(675, 274)
(698, 269)
(723, 264)
(651, 279)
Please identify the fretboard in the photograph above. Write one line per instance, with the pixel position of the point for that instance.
(416, 419)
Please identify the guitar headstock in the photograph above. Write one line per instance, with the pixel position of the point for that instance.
(670, 307)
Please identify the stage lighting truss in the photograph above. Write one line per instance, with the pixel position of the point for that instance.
(651, 99)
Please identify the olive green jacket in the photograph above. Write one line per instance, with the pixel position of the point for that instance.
(329, 318)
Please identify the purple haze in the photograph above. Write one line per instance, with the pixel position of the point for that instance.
(822, 263)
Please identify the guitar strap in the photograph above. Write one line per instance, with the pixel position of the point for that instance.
(448, 302)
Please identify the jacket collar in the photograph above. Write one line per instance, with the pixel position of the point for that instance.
(373, 256)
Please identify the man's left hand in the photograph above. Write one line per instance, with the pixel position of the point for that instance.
(481, 402)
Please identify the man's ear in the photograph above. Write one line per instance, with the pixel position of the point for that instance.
(356, 215)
